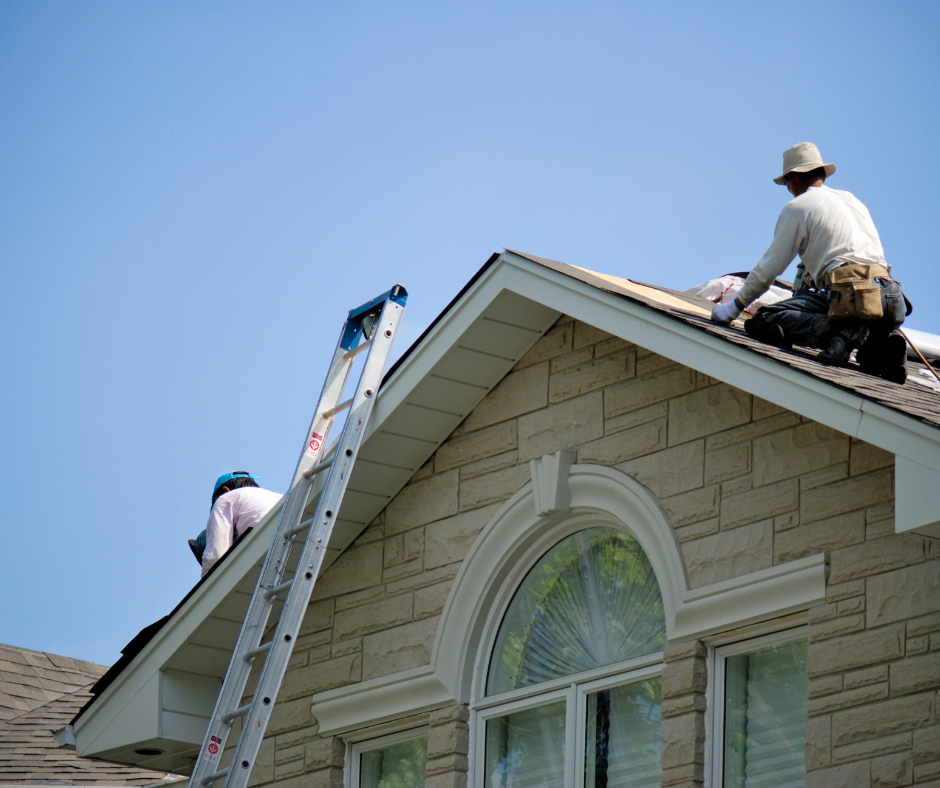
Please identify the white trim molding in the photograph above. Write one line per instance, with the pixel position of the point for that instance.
(516, 536)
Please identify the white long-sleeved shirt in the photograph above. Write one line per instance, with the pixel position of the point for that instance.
(232, 514)
(826, 228)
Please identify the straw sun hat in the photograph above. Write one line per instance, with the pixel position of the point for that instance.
(802, 157)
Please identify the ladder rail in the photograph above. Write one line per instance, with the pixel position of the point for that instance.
(375, 323)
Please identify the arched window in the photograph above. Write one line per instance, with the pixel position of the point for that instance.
(573, 680)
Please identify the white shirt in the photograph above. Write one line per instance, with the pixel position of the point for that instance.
(232, 514)
(826, 228)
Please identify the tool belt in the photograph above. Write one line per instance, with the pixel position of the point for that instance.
(853, 291)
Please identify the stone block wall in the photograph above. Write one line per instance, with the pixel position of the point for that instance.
(747, 485)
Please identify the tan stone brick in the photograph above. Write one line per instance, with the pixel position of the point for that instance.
(880, 511)
(489, 464)
(321, 638)
(414, 543)
(882, 719)
(355, 569)
(343, 647)
(926, 744)
(854, 605)
(729, 553)
(562, 426)
(643, 391)
(427, 578)
(903, 593)
(693, 506)
(752, 430)
(357, 598)
(879, 530)
(848, 495)
(446, 739)
(727, 463)
(875, 557)
(428, 468)
(670, 471)
(855, 651)
(626, 445)
(827, 685)
(446, 763)
(423, 502)
(691, 775)
(289, 762)
(430, 601)
(687, 533)
(373, 617)
(297, 660)
(591, 375)
(865, 458)
(289, 715)
(846, 700)
(402, 570)
(866, 676)
(736, 486)
(394, 550)
(823, 613)
(914, 675)
(683, 740)
(684, 677)
(707, 411)
(891, 771)
(318, 616)
(635, 418)
(517, 393)
(818, 743)
(836, 627)
(798, 450)
(397, 649)
(762, 409)
(613, 345)
(923, 624)
(821, 536)
(373, 533)
(871, 748)
(758, 504)
(675, 707)
(851, 775)
(838, 591)
(784, 522)
(684, 649)
(555, 342)
(916, 646)
(926, 771)
(497, 486)
(449, 540)
(321, 676)
(476, 445)
(321, 753)
(572, 359)
(456, 712)
(452, 779)
(827, 475)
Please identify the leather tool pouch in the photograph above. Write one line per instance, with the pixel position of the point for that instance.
(853, 292)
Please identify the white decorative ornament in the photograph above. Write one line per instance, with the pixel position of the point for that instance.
(551, 493)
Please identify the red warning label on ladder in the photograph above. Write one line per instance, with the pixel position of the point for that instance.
(315, 442)
(212, 751)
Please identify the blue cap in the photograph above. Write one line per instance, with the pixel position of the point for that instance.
(227, 477)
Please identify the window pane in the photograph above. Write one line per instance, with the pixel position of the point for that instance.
(526, 749)
(592, 600)
(623, 737)
(765, 718)
(397, 766)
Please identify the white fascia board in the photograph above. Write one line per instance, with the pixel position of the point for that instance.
(846, 412)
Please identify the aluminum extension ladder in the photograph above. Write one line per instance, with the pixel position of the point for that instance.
(371, 328)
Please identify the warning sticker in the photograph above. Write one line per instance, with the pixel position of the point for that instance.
(315, 442)
(212, 751)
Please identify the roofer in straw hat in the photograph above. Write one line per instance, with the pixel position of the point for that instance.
(848, 300)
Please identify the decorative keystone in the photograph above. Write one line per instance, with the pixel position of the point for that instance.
(550, 482)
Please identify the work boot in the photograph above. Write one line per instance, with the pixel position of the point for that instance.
(884, 357)
(842, 344)
(767, 333)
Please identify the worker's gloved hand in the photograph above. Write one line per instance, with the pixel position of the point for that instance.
(725, 313)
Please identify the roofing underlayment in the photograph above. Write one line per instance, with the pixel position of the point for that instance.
(460, 357)
(39, 693)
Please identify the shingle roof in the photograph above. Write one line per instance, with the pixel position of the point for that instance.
(911, 399)
(40, 693)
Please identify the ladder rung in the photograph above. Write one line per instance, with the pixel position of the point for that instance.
(273, 592)
(329, 414)
(250, 655)
(239, 712)
(320, 466)
(211, 778)
(298, 528)
(357, 350)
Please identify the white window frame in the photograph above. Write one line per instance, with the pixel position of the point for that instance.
(715, 730)
(357, 748)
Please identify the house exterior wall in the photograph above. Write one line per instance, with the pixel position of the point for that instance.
(747, 485)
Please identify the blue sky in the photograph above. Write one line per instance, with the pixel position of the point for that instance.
(192, 195)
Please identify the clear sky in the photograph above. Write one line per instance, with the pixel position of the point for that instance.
(193, 194)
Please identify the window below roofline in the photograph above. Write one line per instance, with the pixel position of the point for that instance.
(355, 749)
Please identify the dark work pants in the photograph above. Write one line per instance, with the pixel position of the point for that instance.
(805, 321)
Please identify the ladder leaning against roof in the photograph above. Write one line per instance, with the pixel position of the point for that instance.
(371, 328)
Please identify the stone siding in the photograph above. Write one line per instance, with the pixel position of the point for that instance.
(747, 485)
